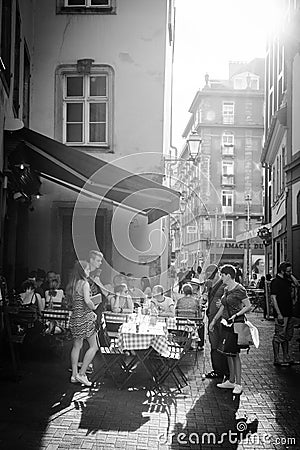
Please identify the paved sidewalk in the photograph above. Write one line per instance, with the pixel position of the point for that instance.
(44, 411)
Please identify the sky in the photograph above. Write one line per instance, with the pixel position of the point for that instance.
(209, 34)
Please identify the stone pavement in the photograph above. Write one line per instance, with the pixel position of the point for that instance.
(44, 411)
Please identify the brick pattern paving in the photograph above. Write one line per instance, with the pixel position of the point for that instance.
(44, 411)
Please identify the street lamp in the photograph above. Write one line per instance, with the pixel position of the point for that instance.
(194, 147)
(248, 256)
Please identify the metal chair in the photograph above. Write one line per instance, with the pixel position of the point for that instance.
(197, 324)
(178, 348)
(109, 353)
(113, 321)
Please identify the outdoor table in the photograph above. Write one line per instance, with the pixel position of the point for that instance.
(142, 343)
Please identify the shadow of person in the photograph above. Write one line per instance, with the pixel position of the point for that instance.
(213, 421)
(286, 400)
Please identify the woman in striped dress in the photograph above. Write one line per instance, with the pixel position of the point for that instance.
(82, 322)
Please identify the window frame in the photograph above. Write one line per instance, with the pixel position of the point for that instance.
(227, 195)
(63, 8)
(17, 62)
(6, 26)
(227, 147)
(62, 73)
(225, 229)
(226, 163)
(228, 112)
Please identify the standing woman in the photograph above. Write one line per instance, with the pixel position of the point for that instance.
(235, 304)
(82, 322)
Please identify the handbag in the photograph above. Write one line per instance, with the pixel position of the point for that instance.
(254, 333)
(242, 329)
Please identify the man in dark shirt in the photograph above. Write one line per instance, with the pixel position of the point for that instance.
(281, 295)
(214, 289)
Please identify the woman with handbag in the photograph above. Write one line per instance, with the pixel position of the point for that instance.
(82, 321)
(235, 304)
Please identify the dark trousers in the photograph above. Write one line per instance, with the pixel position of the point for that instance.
(218, 360)
(201, 334)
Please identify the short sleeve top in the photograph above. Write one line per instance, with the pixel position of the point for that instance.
(188, 303)
(233, 301)
(282, 288)
(165, 305)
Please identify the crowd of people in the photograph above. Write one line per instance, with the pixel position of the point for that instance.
(217, 290)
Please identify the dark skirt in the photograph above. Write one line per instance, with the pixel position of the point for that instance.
(229, 342)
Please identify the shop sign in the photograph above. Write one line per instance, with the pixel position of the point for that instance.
(240, 245)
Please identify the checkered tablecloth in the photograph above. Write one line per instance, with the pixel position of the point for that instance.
(147, 336)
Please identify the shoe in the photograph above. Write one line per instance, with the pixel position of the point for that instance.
(89, 369)
(237, 389)
(83, 379)
(212, 374)
(73, 380)
(226, 385)
(284, 364)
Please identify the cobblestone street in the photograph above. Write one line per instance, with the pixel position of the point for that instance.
(44, 411)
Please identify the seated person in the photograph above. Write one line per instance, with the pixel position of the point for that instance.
(160, 304)
(122, 302)
(54, 297)
(145, 284)
(31, 298)
(136, 293)
(188, 305)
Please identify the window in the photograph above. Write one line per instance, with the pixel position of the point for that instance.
(227, 168)
(86, 6)
(228, 138)
(87, 3)
(227, 229)
(16, 93)
(254, 84)
(6, 41)
(239, 83)
(87, 108)
(227, 173)
(227, 202)
(228, 112)
(26, 87)
(228, 143)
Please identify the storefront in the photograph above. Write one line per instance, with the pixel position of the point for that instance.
(63, 202)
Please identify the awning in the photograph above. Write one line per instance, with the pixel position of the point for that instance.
(80, 171)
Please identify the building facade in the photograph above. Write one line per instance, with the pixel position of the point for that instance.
(224, 186)
(89, 77)
(280, 155)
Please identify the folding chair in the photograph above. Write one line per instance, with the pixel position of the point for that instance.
(60, 316)
(197, 324)
(113, 321)
(21, 322)
(109, 353)
(178, 348)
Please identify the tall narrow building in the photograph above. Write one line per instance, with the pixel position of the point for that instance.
(224, 188)
(281, 154)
